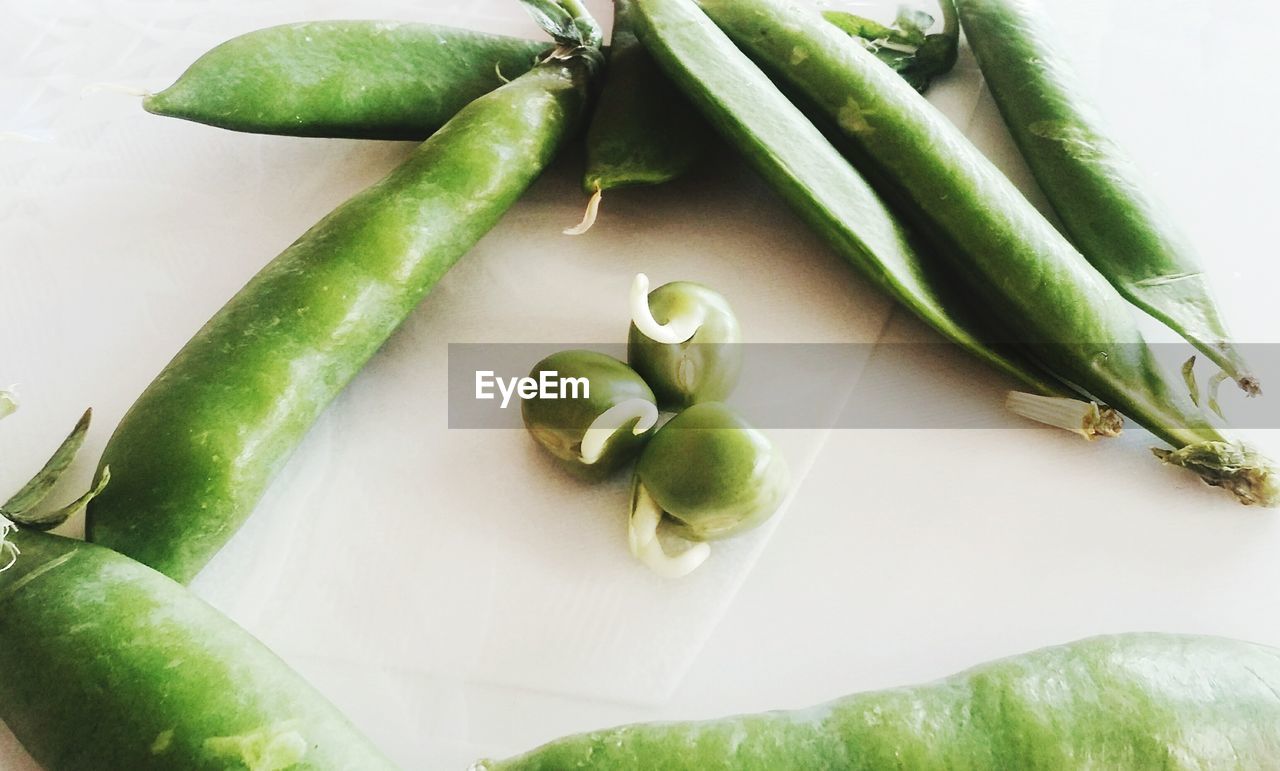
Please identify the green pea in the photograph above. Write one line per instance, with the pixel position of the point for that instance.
(706, 475)
(599, 427)
(684, 342)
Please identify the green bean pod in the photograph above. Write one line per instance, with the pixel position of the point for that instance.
(1135, 701)
(597, 426)
(741, 103)
(194, 454)
(358, 79)
(1095, 190)
(109, 666)
(684, 341)
(707, 474)
(1047, 297)
(643, 130)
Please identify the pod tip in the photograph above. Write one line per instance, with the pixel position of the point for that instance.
(1247, 474)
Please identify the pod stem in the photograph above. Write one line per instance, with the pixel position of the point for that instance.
(571, 25)
(1088, 419)
(677, 330)
(609, 422)
(642, 538)
(1247, 474)
(589, 216)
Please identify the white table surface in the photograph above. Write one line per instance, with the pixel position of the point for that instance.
(905, 555)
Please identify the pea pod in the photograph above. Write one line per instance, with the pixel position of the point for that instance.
(643, 131)
(1094, 188)
(358, 79)
(196, 451)
(1136, 701)
(602, 423)
(684, 341)
(1048, 298)
(742, 104)
(110, 666)
(707, 474)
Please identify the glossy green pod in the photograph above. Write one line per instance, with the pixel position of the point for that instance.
(643, 131)
(108, 665)
(194, 454)
(596, 426)
(811, 175)
(1108, 213)
(359, 79)
(1048, 299)
(685, 342)
(1119, 703)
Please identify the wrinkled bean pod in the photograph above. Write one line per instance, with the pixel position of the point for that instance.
(684, 341)
(707, 474)
(597, 429)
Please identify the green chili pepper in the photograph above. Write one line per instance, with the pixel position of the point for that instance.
(684, 341)
(1093, 186)
(598, 425)
(109, 666)
(746, 108)
(707, 474)
(195, 453)
(1136, 701)
(643, 130)
(1048, 298)
(361, 79)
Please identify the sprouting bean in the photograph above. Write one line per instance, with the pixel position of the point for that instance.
(684, 341)
(705, 475)
(594, 427)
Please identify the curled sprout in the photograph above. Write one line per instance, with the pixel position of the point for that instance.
(7, 546)
(675, 331)
(597, 435)
(8, 403)
(642, 538)
(589, 216)
(1087, 419)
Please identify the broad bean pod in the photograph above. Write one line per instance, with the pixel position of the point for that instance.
(197, 450)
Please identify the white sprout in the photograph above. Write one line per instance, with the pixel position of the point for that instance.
(676, 330)
(642, 538)
(7, 546)
(589, 216)
(608, 422)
